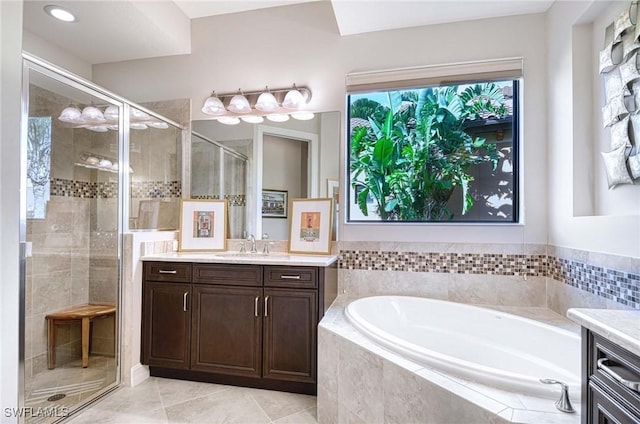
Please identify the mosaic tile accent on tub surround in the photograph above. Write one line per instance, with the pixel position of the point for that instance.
(622, 287)
(107, 190)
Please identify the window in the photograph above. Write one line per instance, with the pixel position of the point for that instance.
(38, 166)
(443, 152)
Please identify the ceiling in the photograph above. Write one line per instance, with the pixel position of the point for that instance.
(119, 30)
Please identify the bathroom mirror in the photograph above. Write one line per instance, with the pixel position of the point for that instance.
(295, 158)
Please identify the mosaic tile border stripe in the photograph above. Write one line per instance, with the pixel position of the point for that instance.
(622, 287)
(107, 190)
(234, 199)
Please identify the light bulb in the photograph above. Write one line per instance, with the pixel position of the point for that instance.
(266, 102)
(239, 104)
(252, 119)
(159, 125)
(59, 13)
(229, 120)
(302, 116)
(213, 106)
(111, 113)
(71, 114)
(278, 117)
(293, 100)
(92, 115)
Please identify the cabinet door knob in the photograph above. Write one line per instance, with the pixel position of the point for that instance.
(184, 301)
(633, 385)
(266, 306)
(255, 306)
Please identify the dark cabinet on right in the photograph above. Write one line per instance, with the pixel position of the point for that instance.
(611, 385)
(289, 338)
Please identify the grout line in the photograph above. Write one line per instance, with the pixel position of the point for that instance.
(260, 407)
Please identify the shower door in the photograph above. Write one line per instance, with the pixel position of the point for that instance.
(71, 224)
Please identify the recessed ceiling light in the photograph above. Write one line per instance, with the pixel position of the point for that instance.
(60, 13)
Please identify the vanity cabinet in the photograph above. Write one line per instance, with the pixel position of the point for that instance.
(611, 382)
(249, 325)
(167, 323)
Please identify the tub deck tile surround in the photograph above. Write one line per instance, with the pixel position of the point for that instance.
(408, 392)
(610, 277)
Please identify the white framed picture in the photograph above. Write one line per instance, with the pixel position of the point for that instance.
(203, 225)
(310, 229)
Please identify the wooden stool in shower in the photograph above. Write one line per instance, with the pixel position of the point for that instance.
(77, 315)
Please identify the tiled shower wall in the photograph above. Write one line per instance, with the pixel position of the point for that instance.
(57, 276)
(517, 275)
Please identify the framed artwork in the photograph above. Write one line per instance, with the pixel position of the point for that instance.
(203, 225)
(274, 203)
(311, 221)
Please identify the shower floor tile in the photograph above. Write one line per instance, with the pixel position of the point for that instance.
(77, 384)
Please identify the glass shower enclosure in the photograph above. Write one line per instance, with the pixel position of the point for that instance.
(78, 190)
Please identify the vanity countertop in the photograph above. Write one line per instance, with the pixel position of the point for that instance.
(619, 326)
(278, 258)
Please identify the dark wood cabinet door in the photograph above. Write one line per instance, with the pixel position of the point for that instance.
(227, 329)
(604, 409)
(166, 328)
(289, 345)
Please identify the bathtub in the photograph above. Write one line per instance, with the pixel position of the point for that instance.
(482, 345)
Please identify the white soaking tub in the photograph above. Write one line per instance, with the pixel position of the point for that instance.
(478, 344)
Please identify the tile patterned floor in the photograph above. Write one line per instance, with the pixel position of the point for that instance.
(161, 400)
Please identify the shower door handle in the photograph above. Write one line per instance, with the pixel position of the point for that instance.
(184, 301)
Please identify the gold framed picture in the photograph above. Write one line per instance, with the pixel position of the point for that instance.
(203, 225)
(310, 229)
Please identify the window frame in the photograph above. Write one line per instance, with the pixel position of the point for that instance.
(516, 195)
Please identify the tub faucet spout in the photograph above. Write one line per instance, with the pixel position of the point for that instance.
(563, 404)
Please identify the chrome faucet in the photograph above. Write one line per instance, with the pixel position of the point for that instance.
(563, 404)
(252, 239)
(265, 248)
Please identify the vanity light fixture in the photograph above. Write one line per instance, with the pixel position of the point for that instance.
(94, 119)
(276, 105)
(60, 13)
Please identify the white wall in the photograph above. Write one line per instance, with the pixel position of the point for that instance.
(10, 88)
(618, 235)
(302, 44)
(52, 53)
